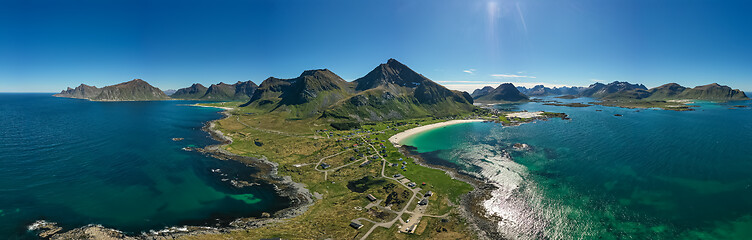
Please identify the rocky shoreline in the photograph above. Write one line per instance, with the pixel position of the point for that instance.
(300, 199)
(471, 204)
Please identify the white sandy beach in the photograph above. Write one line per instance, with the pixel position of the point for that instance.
(225, 108)
(397, 138)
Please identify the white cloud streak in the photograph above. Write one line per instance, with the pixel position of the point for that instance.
(522, 17)
(470, 71)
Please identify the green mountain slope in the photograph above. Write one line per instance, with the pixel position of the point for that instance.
(394, 91)
(219, 92)
(195, 91)
(305, 96)
(666, 91)
(390, 91)
(240, 91)
(244, 90)
(713, 91)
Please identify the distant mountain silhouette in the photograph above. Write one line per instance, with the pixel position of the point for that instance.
(505, 92)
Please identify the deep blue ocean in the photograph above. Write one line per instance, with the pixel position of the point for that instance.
(649, 174)
(78, 162)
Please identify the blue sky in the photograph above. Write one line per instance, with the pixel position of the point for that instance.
(46, 46)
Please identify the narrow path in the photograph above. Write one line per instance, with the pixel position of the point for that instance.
(326, 172)
(415, 191)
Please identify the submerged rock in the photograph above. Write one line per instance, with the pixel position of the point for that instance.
(521, 147)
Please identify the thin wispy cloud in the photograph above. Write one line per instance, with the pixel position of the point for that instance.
(470, 71)
(522, 17)
(510, 76)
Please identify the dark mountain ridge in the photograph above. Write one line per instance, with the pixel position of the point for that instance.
(240, 91)
(195, 91)
(482, 91)
(506, 92)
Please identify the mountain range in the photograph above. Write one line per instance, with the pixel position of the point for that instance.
(389, 91)
(540, 91)
(615, 91)
(623, 91)
(240, 91)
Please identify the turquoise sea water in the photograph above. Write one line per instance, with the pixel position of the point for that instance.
(78, 162)
(651, 174)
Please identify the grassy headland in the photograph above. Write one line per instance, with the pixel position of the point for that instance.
(330, 163)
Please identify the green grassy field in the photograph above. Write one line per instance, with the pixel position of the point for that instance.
(298, 145)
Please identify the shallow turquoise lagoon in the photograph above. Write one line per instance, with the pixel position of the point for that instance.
(650, 174)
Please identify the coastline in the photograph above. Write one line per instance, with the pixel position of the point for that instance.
(397, 138)
(471, 206)
(300, 199)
